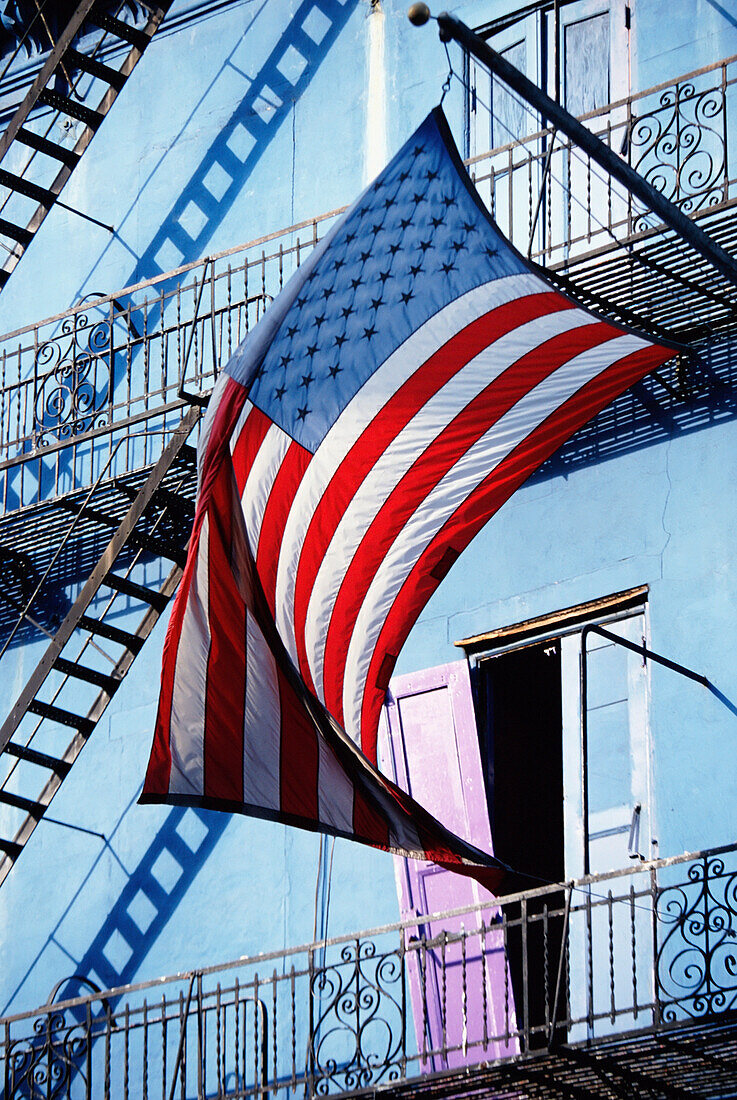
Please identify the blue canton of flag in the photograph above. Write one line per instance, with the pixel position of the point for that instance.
(414, 241)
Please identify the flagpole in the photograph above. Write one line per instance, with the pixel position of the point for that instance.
(451, 28)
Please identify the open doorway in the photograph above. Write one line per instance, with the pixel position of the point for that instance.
(520, 729)
(518, 696)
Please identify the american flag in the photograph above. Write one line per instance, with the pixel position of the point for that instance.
(413, 374)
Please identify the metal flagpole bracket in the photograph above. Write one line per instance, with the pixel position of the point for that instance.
(451, 28)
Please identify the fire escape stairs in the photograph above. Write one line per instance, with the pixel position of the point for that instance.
(43, 165)
(156, 520)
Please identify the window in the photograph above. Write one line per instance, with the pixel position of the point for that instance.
(586, 64)
(580, 58)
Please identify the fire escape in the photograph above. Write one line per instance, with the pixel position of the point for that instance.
(88, 52)
(99, 410)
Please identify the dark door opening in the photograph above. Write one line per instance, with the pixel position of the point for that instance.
(518, 698)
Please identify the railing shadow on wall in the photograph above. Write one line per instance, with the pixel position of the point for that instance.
(643, 951)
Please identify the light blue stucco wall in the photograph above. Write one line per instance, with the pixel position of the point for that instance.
(662, 515)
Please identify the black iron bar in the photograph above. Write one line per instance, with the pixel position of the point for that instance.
(592, 628)
(541, 192)
(611, 162)
(182, 1035)
(87, 217)
(561, 957)
(193, 398)
(644, 652)
(77, 828)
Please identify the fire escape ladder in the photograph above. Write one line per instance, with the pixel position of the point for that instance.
(33, 140)
(156, 522)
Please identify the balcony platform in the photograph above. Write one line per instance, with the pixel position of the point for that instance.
(685, 1060)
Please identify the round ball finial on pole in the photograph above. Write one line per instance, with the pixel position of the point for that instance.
(418, 14)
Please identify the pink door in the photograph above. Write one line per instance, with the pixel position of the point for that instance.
(460, 987)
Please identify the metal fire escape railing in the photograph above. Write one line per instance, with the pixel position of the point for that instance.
(618, 984)
(62, 110)
(73, 385)
(569, 215)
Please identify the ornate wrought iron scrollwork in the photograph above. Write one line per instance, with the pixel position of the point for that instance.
(56, 1056)
(44, 1066)
(73, 379)
(696, 966)
(679, 147)
(358, 1005)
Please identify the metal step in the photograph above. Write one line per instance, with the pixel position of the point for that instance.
(11, 848)
(73, 59)
(112, 633)
(48, 148)
(93, 514)
(41, 759)
(120, 29)
(35, 809)
(8, 229)
(174, 502)
(89, 675)
(71, 107)
(62, 716)
(151, 543)
(159, 548)
(41, 195)
(137, 591)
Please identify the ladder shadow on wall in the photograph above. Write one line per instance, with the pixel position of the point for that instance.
(145, 904)
(230, 161)
(245, 137)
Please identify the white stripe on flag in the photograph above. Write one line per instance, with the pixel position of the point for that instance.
(209, 419)
(239, 424)
(399, 456)
(456, 487)
(187, 726)
(359, 414)
(260, 480)
(262, 722)
(334, 791)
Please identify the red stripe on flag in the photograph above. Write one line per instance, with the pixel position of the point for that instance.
(286, 483)
(426, 472)
(486, 499)
(368, 822)
(159, 769)
(247, 445)
(158, 772)
(299, 756)
(388, 423)
(226, 666)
